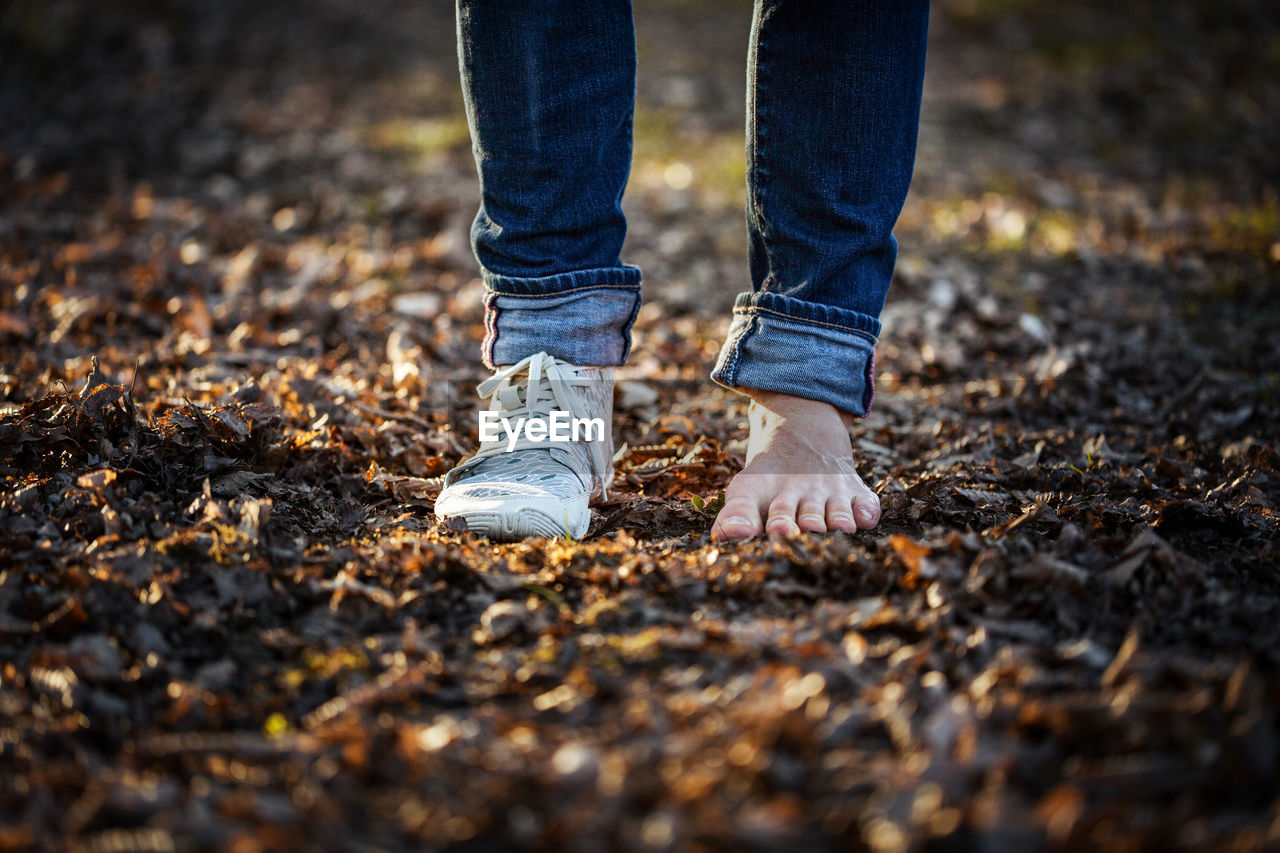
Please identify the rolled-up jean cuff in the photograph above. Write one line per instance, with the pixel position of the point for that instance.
(789, 346)
(583, 317)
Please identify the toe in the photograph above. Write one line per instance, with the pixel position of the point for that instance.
(782, 517)
(811, 516)
(866, 509)
(739, 519)
(840, 515)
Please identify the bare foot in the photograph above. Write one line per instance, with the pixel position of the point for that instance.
(799, 474)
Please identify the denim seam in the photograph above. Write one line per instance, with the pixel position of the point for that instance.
(735, 355)
(804, 320)
(620, 275)
(761, 133)
(580, 289)
(490, 328)
(626, 327)
(869, 386)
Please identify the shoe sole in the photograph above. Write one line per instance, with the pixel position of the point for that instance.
(512, 527)
(515, 524)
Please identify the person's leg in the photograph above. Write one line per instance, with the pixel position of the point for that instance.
(550, 96)
(834, 101)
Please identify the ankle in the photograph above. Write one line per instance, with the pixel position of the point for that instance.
(787, 407)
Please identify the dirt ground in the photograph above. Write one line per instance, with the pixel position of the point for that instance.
(238, 318)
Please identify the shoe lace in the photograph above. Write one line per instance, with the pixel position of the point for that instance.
(533, 388)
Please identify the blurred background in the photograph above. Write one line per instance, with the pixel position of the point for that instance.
(263, 151)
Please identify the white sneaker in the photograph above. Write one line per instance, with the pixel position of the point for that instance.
(510, 490)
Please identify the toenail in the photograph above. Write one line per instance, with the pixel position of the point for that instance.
(866, 513)
(735, 522)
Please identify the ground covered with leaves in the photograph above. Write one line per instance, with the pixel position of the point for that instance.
(238, 312)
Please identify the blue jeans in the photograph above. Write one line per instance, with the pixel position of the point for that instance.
(832, 114)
